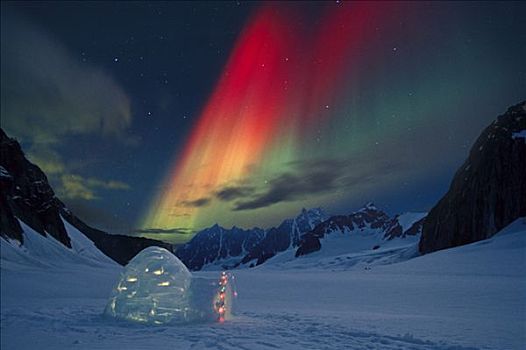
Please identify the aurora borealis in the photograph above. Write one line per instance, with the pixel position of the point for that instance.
(300, 100)
(160, 119)
(270, 104)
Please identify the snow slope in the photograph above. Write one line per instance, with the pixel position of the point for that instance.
(342, 250)
(470, 297)
(38, 250)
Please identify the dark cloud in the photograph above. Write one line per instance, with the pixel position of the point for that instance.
(198, 203)
(75, 186)
(49, 94)
(289, 187)
(315, 177)
(175, 230)
(309, 176)
(232, 192)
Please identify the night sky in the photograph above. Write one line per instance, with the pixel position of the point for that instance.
(170, 117)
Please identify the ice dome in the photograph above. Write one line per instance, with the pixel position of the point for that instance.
(153, 288)
(156, 287)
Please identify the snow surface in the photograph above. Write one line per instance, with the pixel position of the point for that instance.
(47, 252)
(470, 297)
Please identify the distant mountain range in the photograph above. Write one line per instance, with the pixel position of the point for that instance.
(217, 247)
(229, 248)
(369, 219)
(487, 193)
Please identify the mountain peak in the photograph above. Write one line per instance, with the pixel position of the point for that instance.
(370, 205)
(215, 227)
(312, 212)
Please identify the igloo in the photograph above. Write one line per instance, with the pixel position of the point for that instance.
(156, 287)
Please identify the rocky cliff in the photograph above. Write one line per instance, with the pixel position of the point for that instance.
(488, 192)
(26, 195)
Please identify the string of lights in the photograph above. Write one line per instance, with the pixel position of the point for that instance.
(220, 306)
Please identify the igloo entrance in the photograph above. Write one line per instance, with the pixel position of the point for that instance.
(156, 287)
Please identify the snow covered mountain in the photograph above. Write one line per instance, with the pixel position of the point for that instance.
(219, 247)
(28, 204)
(366, 229)
(284, 237)
(488, 192)
(367, 222)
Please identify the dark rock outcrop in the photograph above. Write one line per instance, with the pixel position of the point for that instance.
(416, 228)
(488, 192)
(396, 230)
(10, 227)
(26, 195)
